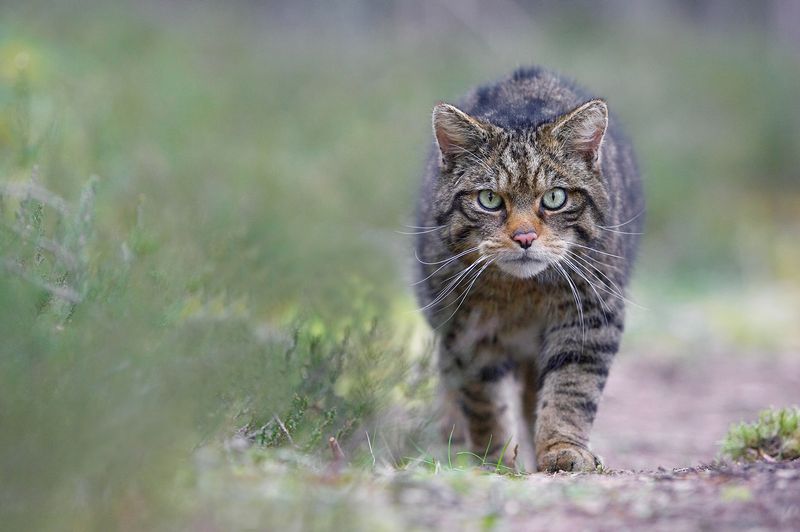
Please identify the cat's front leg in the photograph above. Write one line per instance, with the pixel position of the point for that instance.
(573, 370)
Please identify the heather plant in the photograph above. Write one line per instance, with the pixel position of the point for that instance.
(49, 242)
(115, 346)
(100, 353)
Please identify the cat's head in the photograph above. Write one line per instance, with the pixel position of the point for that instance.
(524, 199)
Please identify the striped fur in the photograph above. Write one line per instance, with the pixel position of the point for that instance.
(527, 336)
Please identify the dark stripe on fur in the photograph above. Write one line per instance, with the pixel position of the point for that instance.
(570, 393)
(496, 372)
(567, 358)
(475, 397)
(589, 322)
(588, 407)
(475, 416)
(445, 216)
(582, 233)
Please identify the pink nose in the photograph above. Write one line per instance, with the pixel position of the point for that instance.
(525, 239)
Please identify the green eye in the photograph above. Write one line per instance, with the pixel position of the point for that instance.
(490, 200)
(555, 198)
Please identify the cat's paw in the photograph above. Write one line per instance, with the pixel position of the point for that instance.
(567, 457)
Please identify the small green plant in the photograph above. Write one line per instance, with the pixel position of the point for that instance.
(46, 242)
(775, 436)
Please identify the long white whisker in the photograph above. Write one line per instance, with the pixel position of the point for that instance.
(465, 252)
(594, 260)
(577, 268)
(605, 288)
(418, 232)
(595, 250)
(460, 278)
(576, 297)
(466, 292)
(598, 270)
(618, 292)
(617, 232)
(586, 256)
(468, 281)
(480, 259)
(617, 226)
(453, 284)
(574, 268)
(450, 286)
(437, 270)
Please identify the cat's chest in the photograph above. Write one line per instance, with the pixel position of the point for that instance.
(507, 329)
(522, 340)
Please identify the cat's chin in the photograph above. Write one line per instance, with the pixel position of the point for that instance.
(525, 268)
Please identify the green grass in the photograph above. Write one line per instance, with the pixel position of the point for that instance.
(208, 244)
(775, 436)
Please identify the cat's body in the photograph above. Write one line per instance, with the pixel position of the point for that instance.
(537, 197)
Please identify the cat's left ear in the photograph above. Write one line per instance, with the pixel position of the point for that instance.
(581, 131)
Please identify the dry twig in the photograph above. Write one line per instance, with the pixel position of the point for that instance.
(336, 450)
(283, 428)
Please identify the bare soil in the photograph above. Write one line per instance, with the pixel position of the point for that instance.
(658, 432)
(757, 496)
(673, 412)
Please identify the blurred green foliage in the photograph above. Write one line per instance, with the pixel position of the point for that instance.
(235, 265)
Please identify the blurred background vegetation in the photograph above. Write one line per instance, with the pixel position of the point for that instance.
(200, 204)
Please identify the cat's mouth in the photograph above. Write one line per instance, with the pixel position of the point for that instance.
(524, 259)
(525, 265)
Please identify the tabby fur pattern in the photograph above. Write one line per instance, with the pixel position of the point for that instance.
(527, 301)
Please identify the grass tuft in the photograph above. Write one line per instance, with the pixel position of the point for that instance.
(774, 437)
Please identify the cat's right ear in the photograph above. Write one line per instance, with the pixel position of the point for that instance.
(456, 132)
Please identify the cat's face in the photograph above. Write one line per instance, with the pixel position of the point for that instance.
(522, 200)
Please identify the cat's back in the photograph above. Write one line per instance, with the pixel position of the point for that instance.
(525, 99)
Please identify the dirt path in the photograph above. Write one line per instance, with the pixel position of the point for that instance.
(663, 411)
(742, 497)
(672, 412)
(660, 420)
(759, 496)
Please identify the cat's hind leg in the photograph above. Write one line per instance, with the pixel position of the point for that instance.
(488, 397)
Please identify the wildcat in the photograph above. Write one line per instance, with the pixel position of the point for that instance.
(528, 221)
